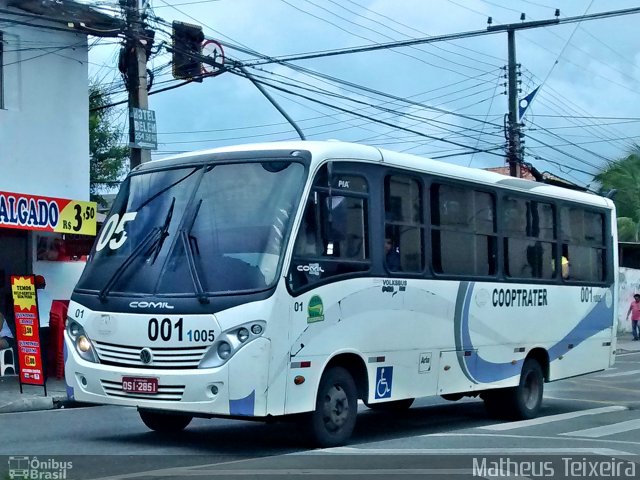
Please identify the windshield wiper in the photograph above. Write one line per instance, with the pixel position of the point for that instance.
(151, 236)
(185, 235)
(164, 233)
(154, 239)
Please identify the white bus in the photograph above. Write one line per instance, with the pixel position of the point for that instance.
(295, 278)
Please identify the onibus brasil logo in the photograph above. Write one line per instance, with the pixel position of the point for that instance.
(32, 468)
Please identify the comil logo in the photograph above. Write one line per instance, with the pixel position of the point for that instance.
(311, 269)
(151, 305)
(38, 469)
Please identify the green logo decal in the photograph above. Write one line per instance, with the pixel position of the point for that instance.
(315, 310)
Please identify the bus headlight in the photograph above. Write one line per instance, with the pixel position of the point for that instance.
(256, 328)
(224, 350)
(243, 335)
(73, 328)
(81, 341)
(230, 341)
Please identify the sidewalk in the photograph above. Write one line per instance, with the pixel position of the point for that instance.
(32, 397)
(626, 344)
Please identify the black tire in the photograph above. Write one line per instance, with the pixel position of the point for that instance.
(334, 418)
(522, 402)
(165, 422)
(526, 399)
(393, 406)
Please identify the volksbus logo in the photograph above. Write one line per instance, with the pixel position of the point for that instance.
(151, 305)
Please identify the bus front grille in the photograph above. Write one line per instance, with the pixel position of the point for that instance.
(171, 393)
(157, 357)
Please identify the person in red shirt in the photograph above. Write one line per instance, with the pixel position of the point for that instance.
(634, 310)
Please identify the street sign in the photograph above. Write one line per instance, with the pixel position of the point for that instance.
(215, 52)
(142, 129)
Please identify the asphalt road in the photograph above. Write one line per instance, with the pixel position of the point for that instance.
(588, 425)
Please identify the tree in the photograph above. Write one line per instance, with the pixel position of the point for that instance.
(623, 175)
(627, 230)
(108, 161)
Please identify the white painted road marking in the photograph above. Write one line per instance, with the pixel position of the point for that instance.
(605, 430)
(552, 418)
(620, 374)
(463, 451)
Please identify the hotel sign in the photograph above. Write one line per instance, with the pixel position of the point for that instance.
(142, 129)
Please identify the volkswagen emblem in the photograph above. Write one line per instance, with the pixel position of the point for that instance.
(146, 356)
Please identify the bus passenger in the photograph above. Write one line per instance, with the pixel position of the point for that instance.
(391, 255)
(565, 267)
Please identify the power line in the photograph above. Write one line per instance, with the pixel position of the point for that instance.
(360, 114)
(439, 38)
(313, 73)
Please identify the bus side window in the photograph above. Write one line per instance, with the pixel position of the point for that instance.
(404, 224)
(583, 244)
(463, 231)
(529, 241)
(307, 242)
(332, 239)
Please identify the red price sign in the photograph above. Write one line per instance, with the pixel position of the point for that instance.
(25, 309)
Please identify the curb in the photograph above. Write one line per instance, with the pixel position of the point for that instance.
(624, 350)
(29, 405)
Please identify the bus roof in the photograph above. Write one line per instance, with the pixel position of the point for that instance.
(333, 149)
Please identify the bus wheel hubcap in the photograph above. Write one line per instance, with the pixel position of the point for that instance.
(336, 408)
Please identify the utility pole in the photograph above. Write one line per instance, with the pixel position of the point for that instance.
(136, 68)
(514, 135)
(513, 149)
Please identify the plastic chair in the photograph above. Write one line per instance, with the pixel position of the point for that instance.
(7, 362)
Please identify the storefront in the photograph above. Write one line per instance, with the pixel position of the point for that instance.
(44, 155)
(44, 236)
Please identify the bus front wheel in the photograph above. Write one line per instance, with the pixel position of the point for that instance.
(334, 418)
(164, 422)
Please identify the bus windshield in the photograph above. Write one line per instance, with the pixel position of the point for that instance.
(209, 229)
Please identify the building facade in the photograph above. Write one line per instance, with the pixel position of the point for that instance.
(44, 145)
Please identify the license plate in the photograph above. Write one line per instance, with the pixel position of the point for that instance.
(139, 385)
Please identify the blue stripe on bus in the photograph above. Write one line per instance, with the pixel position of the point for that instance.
(243, 406)
(484, 371)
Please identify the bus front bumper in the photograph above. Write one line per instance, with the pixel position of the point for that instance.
(199, 391)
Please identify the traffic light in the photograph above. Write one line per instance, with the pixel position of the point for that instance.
(187, 51)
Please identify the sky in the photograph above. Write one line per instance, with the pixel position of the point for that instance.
(584, 115)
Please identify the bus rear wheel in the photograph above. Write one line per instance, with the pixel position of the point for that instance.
(522, 402)
(334, 418)
(164, 422)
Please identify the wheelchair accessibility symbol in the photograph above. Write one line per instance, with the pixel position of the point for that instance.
(384, 380)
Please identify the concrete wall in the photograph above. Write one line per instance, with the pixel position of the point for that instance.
(44, 135)
(629, 284)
